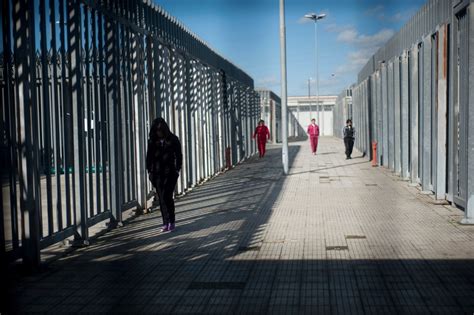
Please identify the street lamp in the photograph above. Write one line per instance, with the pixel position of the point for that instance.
(316, 17)
(284, 99)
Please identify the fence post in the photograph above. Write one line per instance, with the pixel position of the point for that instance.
(113, 109)
(469, 211)
(25, 75)
(77, 113)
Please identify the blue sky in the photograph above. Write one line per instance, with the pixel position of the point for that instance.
(247, 33)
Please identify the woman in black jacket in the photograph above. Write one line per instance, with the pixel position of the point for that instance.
(163, 162)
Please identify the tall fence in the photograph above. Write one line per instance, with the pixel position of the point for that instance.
(342, 111)
(415, 99)
(80, 83)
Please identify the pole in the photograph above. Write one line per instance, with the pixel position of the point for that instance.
(316, 62)
(318, 106)
(309, 99)
(284, 120)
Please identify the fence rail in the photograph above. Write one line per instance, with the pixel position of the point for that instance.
(80, 83)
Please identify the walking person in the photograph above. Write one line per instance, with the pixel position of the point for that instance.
(349, 135)
(313, 133)
(163, 163)
(262, 134)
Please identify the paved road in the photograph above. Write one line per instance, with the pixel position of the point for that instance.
(334, 236)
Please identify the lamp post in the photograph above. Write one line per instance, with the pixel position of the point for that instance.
(309, 99)
(316, 17)
(284, 119)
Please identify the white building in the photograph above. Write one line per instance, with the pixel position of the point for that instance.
(305, 108)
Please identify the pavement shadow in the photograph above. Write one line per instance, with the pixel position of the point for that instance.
(242, 196)
(219, 261)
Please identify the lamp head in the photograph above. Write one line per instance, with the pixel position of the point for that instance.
(314, 16)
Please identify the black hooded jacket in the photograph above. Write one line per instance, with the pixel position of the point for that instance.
(163, 157)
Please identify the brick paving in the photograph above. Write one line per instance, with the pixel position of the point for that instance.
(334, 236)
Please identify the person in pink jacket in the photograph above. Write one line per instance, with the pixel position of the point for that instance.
(313, 133)
(262, 134)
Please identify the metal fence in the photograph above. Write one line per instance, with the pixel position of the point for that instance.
(415, 99)
(80, 83)
(342, 111)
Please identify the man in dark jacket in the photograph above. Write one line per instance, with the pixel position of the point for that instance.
(349, 135)
(163, 162)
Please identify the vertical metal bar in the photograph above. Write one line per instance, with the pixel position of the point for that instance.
(414, 119)
(194, 127)
(461, 101)
(441, 110)
(27, 108)
(405, 117)
(426, 110)
(391, 117)
(397, 117)
(104, 117)
(188, 109)
(153, 84)
(67, 114)
(88, 134)
(434, 112)
(379, 125)
(5, 146)
(157, 79)
(59, 166)
(75, 47)
(140, 132)
(373, 112)
(209, 123)
(182, 120)
(469, 210)
(113, 107)
(10, 169)
(47, 118)
(452, 93)
(125, 89)
(420, 110)
(97, 118)
(23, 21)
(203, 122)
(385, 115)
(129, 91)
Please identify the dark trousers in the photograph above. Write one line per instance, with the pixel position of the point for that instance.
(349, 143)
(165, 186)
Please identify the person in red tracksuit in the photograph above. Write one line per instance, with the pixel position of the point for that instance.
(262, 134)
(313, 132)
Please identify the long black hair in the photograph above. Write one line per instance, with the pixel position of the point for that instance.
(159, 124)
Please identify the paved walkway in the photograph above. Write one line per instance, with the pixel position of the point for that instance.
(334, 236)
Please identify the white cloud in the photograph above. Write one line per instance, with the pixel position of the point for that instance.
(336, 28)
(364, 46)
(352, 36)
(348, 36)
(376, 10)
(379, 13)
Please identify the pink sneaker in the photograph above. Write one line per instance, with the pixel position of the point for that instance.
(165, 228)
